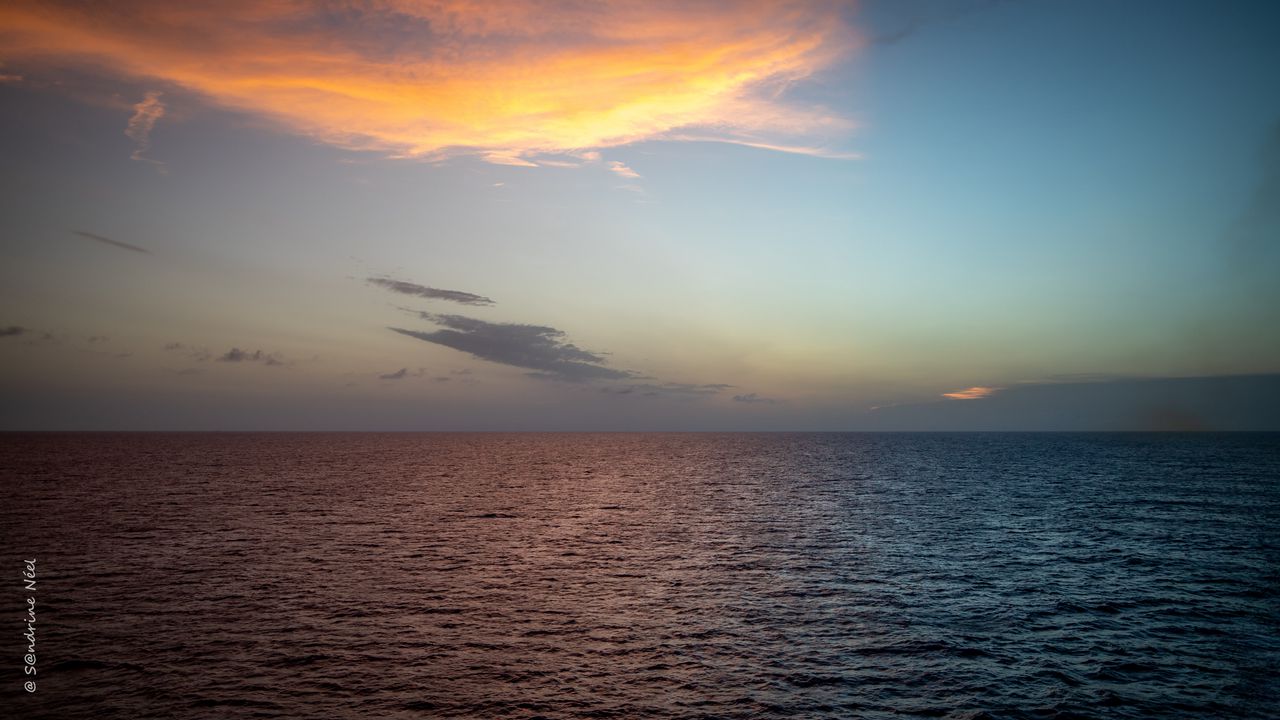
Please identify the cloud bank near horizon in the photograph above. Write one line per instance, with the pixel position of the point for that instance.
(1228, 402)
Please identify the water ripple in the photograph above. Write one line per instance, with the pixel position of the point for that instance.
(648, 576)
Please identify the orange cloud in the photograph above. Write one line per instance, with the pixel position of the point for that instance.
(973, 393)
(509, 80)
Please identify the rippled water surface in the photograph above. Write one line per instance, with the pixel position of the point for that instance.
(638, 576)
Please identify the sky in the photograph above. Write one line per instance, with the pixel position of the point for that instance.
(536, 215)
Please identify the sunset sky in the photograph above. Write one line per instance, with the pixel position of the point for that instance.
(454, 214)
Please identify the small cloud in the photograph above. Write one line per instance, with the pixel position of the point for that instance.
(408, 288)
(32, 337)
(620, 169)
(896, 36)
(974, 393)
(236, 355)
(403, 373)
(108, 241)
(195, 353)
(755, 398)
(7, 79)
(145, 115)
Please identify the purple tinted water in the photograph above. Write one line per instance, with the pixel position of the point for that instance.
(637, 575)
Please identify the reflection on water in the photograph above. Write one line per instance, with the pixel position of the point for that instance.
(631, 576)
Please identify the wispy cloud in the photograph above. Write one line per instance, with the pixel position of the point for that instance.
(821, 151)
(504, 80)
(200, 354)
(915, 23)
(12, 331)
(1062, 378)
(108, 241)
(621, 170)
(145, 115)
(532, 347)
(7, 78)
(974, 393)
(669, 389)
(416, 290)
(1253, 240)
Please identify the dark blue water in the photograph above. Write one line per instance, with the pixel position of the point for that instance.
(643, 576)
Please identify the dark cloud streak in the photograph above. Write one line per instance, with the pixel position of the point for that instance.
(416, 290)
(533, 347)
(755, 398)
(109, 241)
(668, 390)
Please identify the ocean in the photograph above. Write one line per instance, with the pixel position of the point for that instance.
(801, 575)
